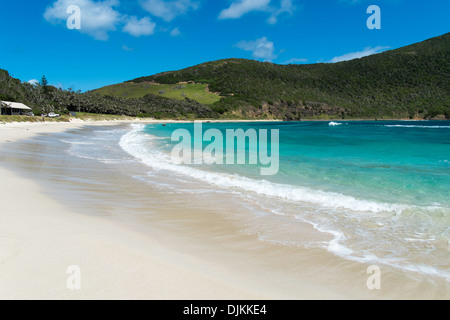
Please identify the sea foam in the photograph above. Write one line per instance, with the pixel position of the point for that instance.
(134, 144)
(140, 145)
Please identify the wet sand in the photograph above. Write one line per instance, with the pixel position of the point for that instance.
(165, 249)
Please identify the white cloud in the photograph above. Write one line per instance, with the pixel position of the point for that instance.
(240, 7)
(137, 28)
(359, 54)
(97, 18)
(34, 82)
(295, 61)
(286, 6)
(175, 32)
(126, 48)
(260, 48)
(169, 10)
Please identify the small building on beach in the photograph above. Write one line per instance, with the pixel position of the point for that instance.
(13, 108)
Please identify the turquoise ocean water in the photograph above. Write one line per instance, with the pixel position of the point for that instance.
(380, 190)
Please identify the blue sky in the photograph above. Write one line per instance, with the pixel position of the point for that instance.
(120, 40)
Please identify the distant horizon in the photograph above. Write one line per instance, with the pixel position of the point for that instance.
(141, 38)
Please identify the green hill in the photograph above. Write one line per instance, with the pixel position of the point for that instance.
(44, 99)
(199, 92)
(410, 82)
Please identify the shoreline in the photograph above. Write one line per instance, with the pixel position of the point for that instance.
(151, 120)
(123, 260)
(42, 238)
(116, 262)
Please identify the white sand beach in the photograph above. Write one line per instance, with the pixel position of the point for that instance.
(41, 237)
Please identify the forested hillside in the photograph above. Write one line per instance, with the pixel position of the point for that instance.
(410, 82)
(45, 98)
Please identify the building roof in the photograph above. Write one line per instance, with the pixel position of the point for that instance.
(14, 105)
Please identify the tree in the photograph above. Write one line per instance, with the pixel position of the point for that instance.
(44, 82)
(44, 85)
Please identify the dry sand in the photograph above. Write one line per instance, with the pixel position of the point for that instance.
(40, 238)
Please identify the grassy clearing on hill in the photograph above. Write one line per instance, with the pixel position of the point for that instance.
(197, 92)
